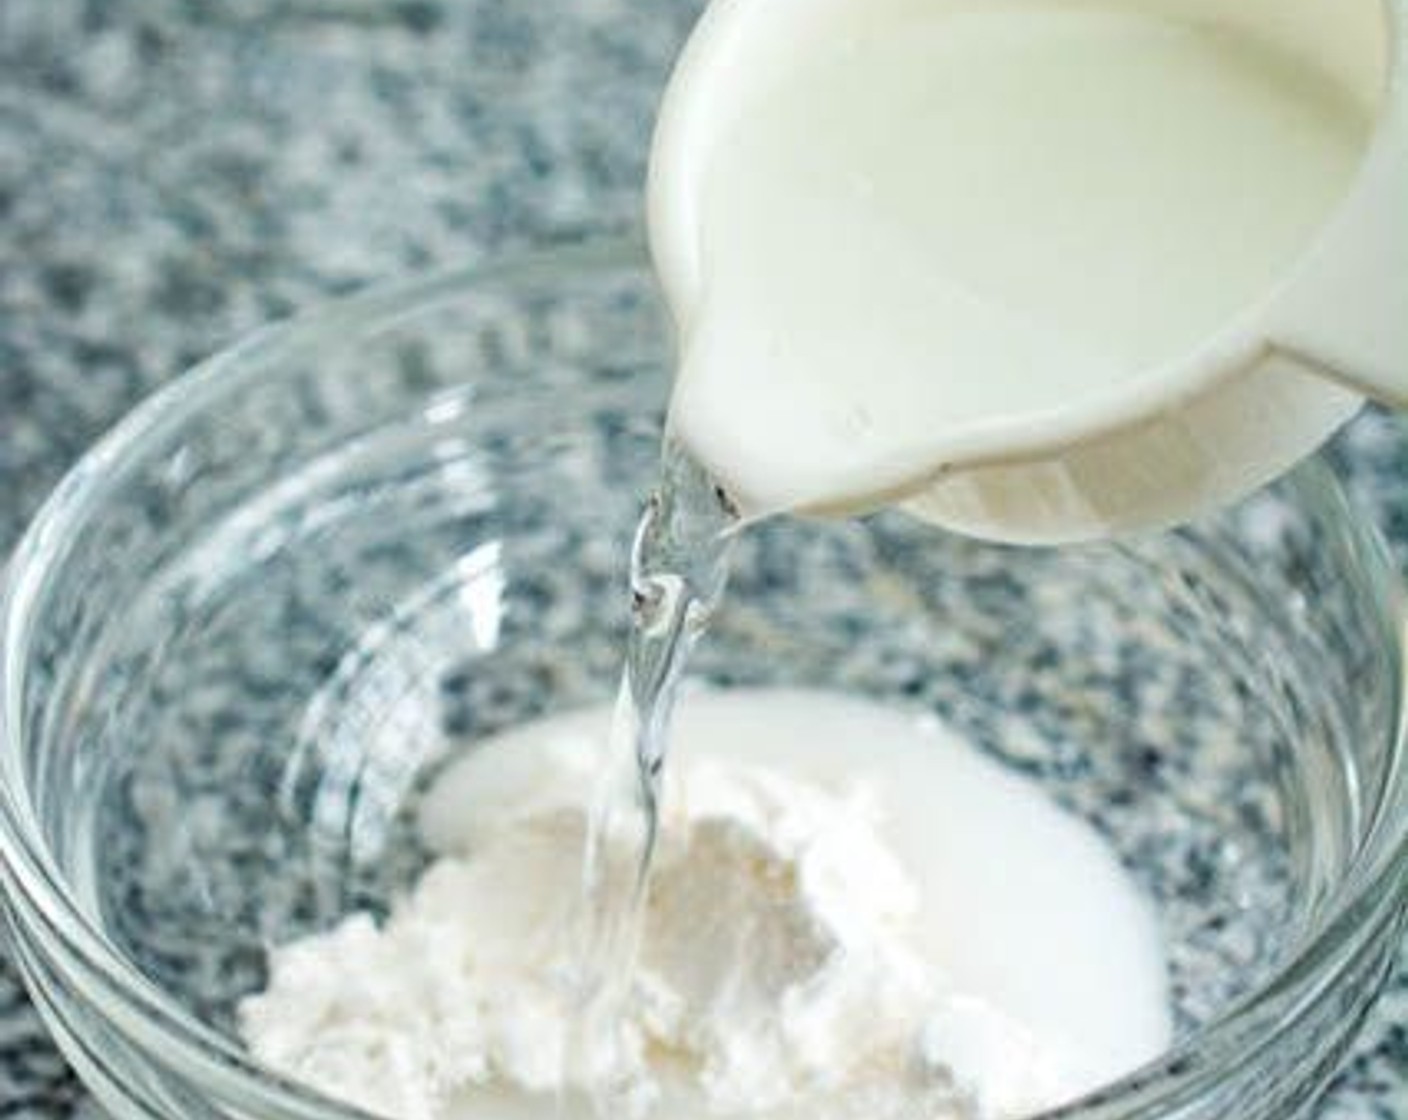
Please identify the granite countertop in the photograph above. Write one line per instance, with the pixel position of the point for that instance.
(174, 172)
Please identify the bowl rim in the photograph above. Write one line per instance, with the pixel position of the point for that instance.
(42, 906)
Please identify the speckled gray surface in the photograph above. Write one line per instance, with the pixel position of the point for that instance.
(175, 172)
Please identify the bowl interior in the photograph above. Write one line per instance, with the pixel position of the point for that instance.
(355, 547)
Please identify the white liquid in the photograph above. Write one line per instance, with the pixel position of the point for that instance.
(921, 222)
(1021, 906)
(990, 932)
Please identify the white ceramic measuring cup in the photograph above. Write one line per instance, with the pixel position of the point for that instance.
(1215, 423)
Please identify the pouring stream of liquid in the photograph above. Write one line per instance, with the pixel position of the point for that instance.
(678, 573)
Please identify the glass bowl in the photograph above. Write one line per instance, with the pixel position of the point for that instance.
(259, 617)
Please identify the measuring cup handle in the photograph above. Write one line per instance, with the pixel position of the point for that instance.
(1346, 312)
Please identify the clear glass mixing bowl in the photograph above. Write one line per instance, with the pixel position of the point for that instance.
(258, 617)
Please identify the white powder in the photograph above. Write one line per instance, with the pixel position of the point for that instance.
(783, 972)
